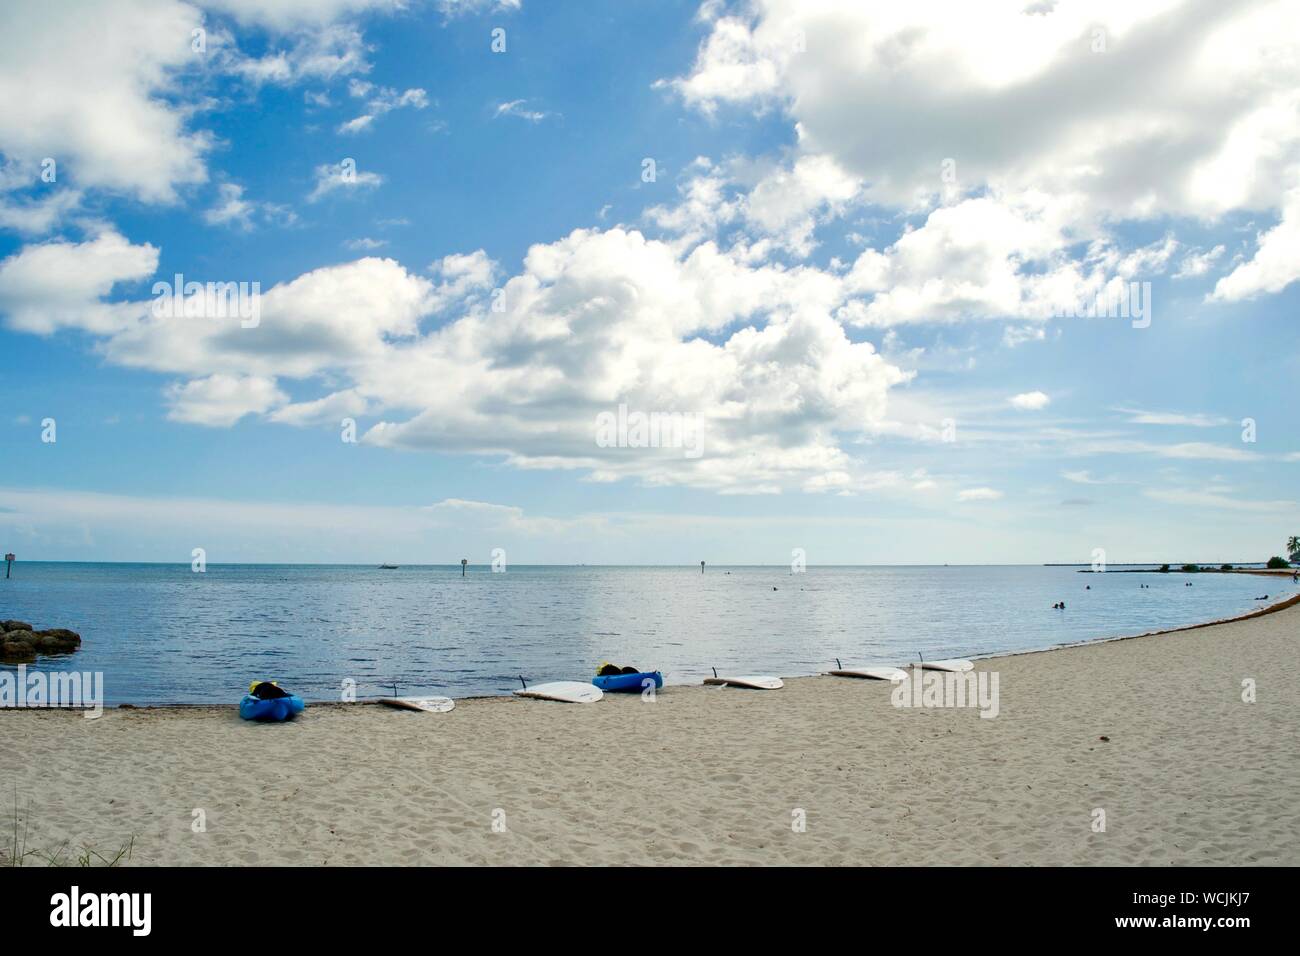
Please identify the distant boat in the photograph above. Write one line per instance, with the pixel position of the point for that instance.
(388, 567)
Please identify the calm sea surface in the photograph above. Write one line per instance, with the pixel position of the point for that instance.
(163, 634)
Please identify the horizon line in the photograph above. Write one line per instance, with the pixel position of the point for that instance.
(486, 564)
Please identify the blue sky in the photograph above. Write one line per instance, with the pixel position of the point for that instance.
(849, 273)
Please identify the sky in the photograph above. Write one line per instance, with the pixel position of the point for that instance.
(649, 282)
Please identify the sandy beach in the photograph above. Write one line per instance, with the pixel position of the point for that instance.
(1189, 774)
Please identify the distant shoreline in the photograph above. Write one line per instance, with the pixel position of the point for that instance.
(1128, 566)
(1201, 569)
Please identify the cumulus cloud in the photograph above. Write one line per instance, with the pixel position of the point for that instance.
(92, 91)
(462, 278)
(336, 318)
(1030, 401)
(749, 358)
(221, 400)
(777, 206)
(1049, 141)
(1276, 263)
(117, 112)
(330, 410)
(1176, 107)
(602, 319)
(56, 285)
(986, 257)
(36, 217)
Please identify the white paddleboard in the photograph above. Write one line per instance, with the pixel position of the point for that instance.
(957, 665)
(754, 682)
(430, 705)
(568, 691)
(871, 673)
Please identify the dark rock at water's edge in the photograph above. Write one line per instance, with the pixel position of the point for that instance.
(20, 643)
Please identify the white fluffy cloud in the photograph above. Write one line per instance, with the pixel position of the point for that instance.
(221, 400)
(602, 319)
(88, 90)
(1176, 106)
(1276, 263)
(1030, 401)
(36, 217)
(337, 318)
(105, 94)
(774, 206)
(55, 285)
(1021, 133)
(768, 387)
(995, 257)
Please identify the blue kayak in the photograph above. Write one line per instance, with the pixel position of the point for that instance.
(628, 682)
(279, 708)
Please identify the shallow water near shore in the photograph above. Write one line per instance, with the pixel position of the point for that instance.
(164, 634)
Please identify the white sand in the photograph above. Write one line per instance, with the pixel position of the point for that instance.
(1191, 774)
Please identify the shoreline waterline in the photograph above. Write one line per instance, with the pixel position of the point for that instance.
(1292, 601)
(171, 635)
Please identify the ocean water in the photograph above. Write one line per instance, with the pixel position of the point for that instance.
(164, 634)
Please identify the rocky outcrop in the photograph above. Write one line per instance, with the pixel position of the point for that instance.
(20, 643)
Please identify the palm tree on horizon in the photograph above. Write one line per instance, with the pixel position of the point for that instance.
(1293, 545)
